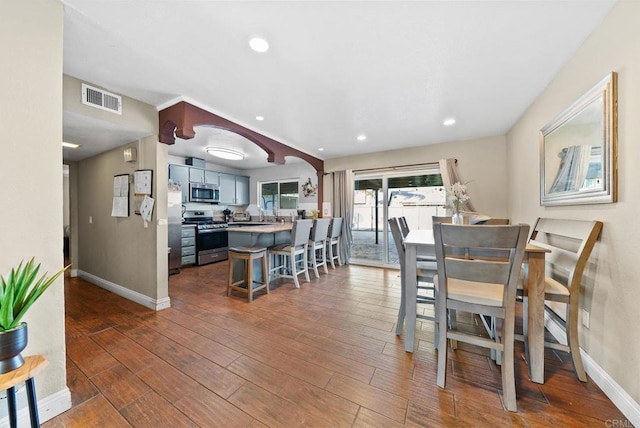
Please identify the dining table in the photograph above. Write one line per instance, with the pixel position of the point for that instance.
(420, 242)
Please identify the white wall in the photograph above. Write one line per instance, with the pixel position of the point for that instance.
(611, 289)
(30, 166)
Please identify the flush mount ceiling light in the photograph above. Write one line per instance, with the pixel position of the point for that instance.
(261, 118)
(223, 153)
(259, 44)
(320, 149)
(362, 137)
(449, 122)
(70, 145)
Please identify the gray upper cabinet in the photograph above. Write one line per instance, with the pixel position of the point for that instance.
(242, 190)
(234, 189)
(211, 177)
(227, 189)
(196, 175)
(180, 175)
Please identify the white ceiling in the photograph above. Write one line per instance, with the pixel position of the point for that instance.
(392, 70)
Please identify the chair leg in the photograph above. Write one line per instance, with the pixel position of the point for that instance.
(265, 271)
(402, 310)
(306, 264)
(508, 374)
(294, 272)
(572, 342)
(338, 252)
(323, 251)
(314, 261)
(230, 277)
(442, 341)
(330, 249)
(249, 278)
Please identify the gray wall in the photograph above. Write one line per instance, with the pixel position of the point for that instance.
(611, 290)
(31, 169)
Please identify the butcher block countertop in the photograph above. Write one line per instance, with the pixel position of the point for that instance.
(264, 228)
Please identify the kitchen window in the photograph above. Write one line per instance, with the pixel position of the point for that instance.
(279, 195)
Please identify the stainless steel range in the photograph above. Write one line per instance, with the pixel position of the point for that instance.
(212, 241)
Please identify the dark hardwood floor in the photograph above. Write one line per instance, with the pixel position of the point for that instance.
(324, 355)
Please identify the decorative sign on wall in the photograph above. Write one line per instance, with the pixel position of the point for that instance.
(308, 189)
(120, 206)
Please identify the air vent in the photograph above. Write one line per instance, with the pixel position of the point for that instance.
(103, 100)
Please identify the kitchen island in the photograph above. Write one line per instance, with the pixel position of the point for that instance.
(262, 235)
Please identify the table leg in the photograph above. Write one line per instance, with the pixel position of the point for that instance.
(534, 331)
(411, 290)
(11, 404)
(33, 402)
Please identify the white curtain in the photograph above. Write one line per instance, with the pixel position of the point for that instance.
(342, 204)
(450, 176)
(573, 169)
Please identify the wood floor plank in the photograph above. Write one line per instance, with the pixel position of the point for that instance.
(120, 386)
(259, 373)
(315, 402)
(267, 407)
(151, 410)
(94, 413)
(89, 356)
(383, 402)
(207, 409)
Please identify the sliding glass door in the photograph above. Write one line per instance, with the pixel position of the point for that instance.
(417, 194)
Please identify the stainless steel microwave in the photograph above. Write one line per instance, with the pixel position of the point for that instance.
(199, 192)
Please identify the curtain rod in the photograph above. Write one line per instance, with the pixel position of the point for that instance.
(393, 168)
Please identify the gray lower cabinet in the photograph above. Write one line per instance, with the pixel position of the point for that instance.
(188, 245)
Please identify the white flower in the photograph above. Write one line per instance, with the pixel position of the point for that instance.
(456, 195)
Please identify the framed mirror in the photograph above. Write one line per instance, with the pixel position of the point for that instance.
(578, 150)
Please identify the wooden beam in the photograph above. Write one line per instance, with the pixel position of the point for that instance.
(181, 118)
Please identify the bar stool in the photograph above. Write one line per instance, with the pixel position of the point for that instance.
(333, 241)
(318, 245)
(286, 254)
(8, 381)
(248, 284)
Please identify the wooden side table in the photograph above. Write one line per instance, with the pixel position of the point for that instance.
(8, 381)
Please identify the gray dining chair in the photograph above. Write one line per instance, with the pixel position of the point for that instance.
(484, 284)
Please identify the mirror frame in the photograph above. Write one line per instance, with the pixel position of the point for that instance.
(607, 193)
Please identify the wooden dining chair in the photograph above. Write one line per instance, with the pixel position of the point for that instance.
(483, 284)
(570, 243)
(425, 274)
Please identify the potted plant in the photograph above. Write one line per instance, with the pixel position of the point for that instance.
(18, 292)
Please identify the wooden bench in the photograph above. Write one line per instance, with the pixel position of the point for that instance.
(570, 243)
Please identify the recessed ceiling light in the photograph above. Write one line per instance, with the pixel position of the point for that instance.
(259, 44)
(259, 117)
(449, 122)
(362, 137)
(224, 153)
(70, 145)
(320, 149)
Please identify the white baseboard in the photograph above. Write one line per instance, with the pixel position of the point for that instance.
(155, 304)
(48, 407)
(618, 396)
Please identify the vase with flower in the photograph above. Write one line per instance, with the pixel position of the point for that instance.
(456, 196)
